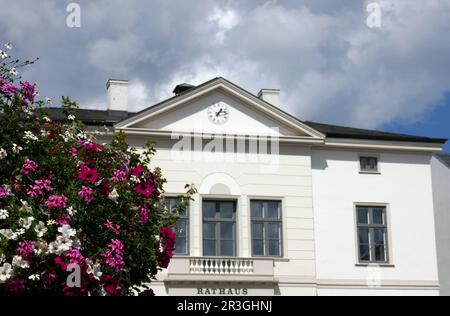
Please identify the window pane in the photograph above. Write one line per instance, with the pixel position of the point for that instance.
(209, 230)
(274, 248)
(180, 246)
(226, 210)
(257, 231)
(363, 217)
(273, 210)
(363, 236)
(209, 209)
(379, 253)
(273, 231)
(258, 247)
(364, 252)
(227, 231)
(209, 247)
(256, 209)
(181, 228)
(369, 163)
(379, 236)
(227, 248)
(378, 216)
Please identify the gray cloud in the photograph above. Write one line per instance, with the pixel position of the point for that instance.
(330, 66)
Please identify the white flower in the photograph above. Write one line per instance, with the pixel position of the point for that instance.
(60, 245)
(28, 112)
(44, 133)
(2, 258)
(6, 272)
(4, 214)
(40, 229)
(3, 54)
(29, 136)
(47, 119)
(67, 231)
(13, 71)
(8, 234)
(16, 149)
(48, 100)
(135, 179)
(51, 222)
(25, 207)
(94, 269)
(8, 46)
(34, 277)
(26, 222)
(3, 154)
(71, 117)
(39, 247)
(20, 232)
(113, 196)
(71, 211)
(19, 262)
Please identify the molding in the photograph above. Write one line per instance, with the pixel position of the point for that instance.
(202, 278)
(384, 283)
(222, 84)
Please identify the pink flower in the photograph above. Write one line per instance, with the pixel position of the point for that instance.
(112, 227)
(168, 237)
(4, 192)
(29, 167)
(87, 174)
(28, 90)
(112, 287)
(39, 188)
(119, 176)
(74, 152)
(144, 189)
(8, 88)
(114, 255)
(137, 171)
(56, 201)
(87, 194)
(25, 250)
(143, 215)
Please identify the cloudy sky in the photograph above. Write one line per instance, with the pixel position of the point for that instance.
(330, 65)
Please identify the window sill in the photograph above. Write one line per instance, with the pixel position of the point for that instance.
(370, 172)
(374, 264)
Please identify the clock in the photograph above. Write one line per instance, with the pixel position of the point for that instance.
(219, 113)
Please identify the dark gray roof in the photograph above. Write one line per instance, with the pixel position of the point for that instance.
(336, 131)
(182, 88)
(109, 118)
(444, 157)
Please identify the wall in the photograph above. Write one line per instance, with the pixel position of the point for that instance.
(441, 194)
(405, 186)
(290, 182)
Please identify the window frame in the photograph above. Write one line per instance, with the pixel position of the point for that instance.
(371, 227)
(217, 220)
(266, 222)
(369, 156)
(186, 218)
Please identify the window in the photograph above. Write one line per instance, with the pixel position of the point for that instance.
(372, 234)
(219, 228)
(368, 164)
(266, 228)
(181, 229)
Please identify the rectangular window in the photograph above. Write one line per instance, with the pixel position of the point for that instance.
(219, 228)
(372, 234)
(182, 227)
(266, 227)
(368, 164)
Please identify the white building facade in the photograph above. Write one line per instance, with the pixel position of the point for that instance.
(440, 166)
(284, 207)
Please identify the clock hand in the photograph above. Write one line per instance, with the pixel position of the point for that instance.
(218, 113)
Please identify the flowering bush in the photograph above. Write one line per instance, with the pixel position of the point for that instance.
(67, 201)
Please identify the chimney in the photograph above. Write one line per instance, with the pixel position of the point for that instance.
(271, 96)
(117, 94)
(181, 88)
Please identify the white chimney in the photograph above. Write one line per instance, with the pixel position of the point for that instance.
(271, 96)
(117, 94)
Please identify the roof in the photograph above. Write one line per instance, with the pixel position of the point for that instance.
(109, 118)
(336, 131)
(444, 157)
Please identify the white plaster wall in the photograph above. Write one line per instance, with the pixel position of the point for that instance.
(290, 182)
(405, 185)
(441, 194)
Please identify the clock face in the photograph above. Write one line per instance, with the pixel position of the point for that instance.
(219, 113)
